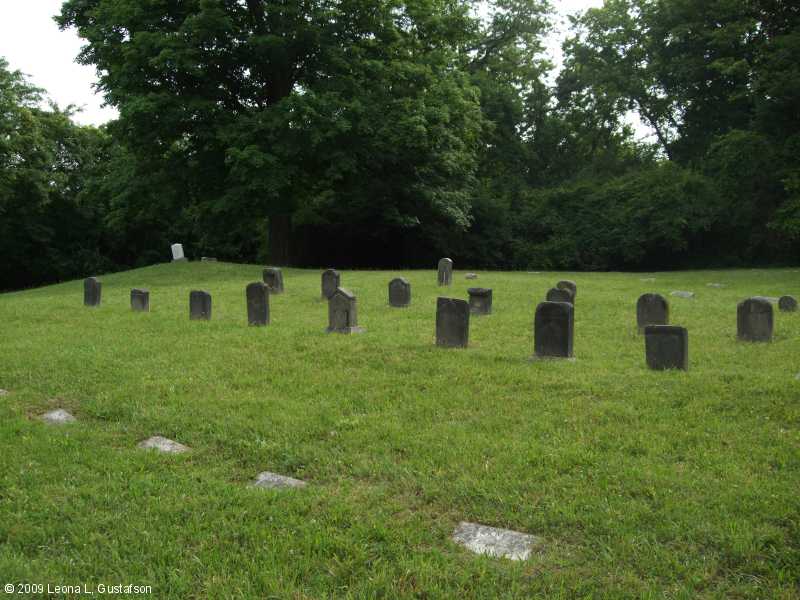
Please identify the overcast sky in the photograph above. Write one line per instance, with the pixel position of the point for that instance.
(31, 42)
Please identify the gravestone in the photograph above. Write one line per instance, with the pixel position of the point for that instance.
(560, 295)
(652, 309)
(273, 277)
(163, 444)
(4, 392)
(343, 312)
(177, 252)
(716, 285)
(452, 323)
(257, 304)
(330, 282)
(787, 304)
(92, 291)
(682, 294)
(58, 417)
(755, 320)
(140, 300)
(199, 305)
(207, 259)
(667, 347)
(480, 301)
(554, 330)
(445, 272)
(399, 292)
(495, 542)
(566, 284)
(273, 481)
(471, 276)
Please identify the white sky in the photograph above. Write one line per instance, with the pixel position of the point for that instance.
(31, 42)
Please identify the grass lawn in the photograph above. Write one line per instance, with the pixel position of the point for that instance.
(643, 484)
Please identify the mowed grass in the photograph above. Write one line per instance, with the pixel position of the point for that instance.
(643, 484)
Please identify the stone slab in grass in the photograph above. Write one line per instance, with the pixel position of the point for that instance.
(471, 276)
(716, 285)
(273, 481)
(499, 543)
(648, 280)
(58, 417)
(163, 444)
(4, 392)
(682, 294)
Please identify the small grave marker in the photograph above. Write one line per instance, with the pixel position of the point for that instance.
(272, 481)
(452, 323)
(566, 284)
(199, 305)
(177, 252)
(273, 277)
(787, 304)
(553, 330)
(496, 542)
(331, 280)
(343, 312)
(399, 292)
(652, 309)
(666, 347)
(444, 274)
(480, 301)
(92, 291)
(257, 294)
(755, 321)
(140, 300)
(163, 444)
(560, 295)
(58, 417)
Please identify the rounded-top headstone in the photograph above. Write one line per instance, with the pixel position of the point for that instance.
(554, 330)
(652, 309)
(452, 323)
(399, 292)
(445, 272)
(787, 304)
(560, 295)
(331, 280)
(568, 285)
(92, 291)
(273, 277)
(257, 295)
(755, 320)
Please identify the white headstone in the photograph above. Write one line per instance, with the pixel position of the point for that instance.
(501, 543)
(269, 480)
(177, 252)
(162, 444)
(682, 294)
(58, 417)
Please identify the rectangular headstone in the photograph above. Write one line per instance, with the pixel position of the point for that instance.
(177, 252)
(452, 323)
(140, 300)
(273, 277)
(652, 309)
(666, 347)
(199, 305)
(553, 330)
(331, 280)
(399, 292)
(755, 320)
(343, 312)
(257, 304)
(444, 275)
(92, 291)
(480, 301)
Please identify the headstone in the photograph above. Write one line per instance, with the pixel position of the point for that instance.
(652, 309)
(58, 417)
(559, 295)
(471, 276)
(177, 252)
(4, 392)
(207, 259)
(140, 300)
(445, 272)
(452, 323)
(682, 294)
(200, 305)
(492, 541)
(787, 304)
(271, 481)
(257, 304)
(566, 284)
(399, 292)
(273, 277)
(343, 312)
(92, 291)
(554, 330)
(480, 301)
(163, 444)
(755, 320)
(331, 280)
(716, 285)
(666, 347)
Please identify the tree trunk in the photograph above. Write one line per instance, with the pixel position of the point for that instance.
(280, 233)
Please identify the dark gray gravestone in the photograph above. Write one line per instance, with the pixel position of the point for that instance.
(652, 309)
(480, 301)
(566, 284)
(399, 292)
(755, 320)
(343, 312)
(787, 304)
(92, 291)
(445, 272)
(273, 277)
(140, 300)
(330, 282)
(257, 304)
(199, 305)
(553, 330)
(560, 295)
(667, 347)
(452, 323)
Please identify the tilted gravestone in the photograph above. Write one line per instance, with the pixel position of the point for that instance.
(666, 347)
(652, 309)
(177, 252)
(199, 305)
(445, 272)
(787, 304)
(452, 323)
(140, 300)
(480, 301)
(330, 282)
(343, 312)
(399, 292)
(755, 320)
(554, 330)
(257, 304)
(566, 284)
(273, 277)
(560, 295)
(92, 291)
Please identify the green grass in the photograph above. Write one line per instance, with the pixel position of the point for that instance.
(644, 484)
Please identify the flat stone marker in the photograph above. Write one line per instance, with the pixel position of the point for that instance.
(199, 305)
(177, 252)
(755, 321)
(452, 323)
(651, 309)
(682, 294)
(444, 275)
(471, 276)
(559, 295)
(58, 417)
(4, 392)
(343, 312)
(331, 280)
(787, 304)
(257, 295)
(399, 292)
(492, 541)
(92, 291)
(140, 300)
(162, 444)
(273, 277)
(667, 347)
(716, 285)
(207, 259)
(272, 481)
(480, 301)
(566, 284)
(648, 279)
(554, 330)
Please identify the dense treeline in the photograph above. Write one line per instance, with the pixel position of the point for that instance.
(389, 132)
